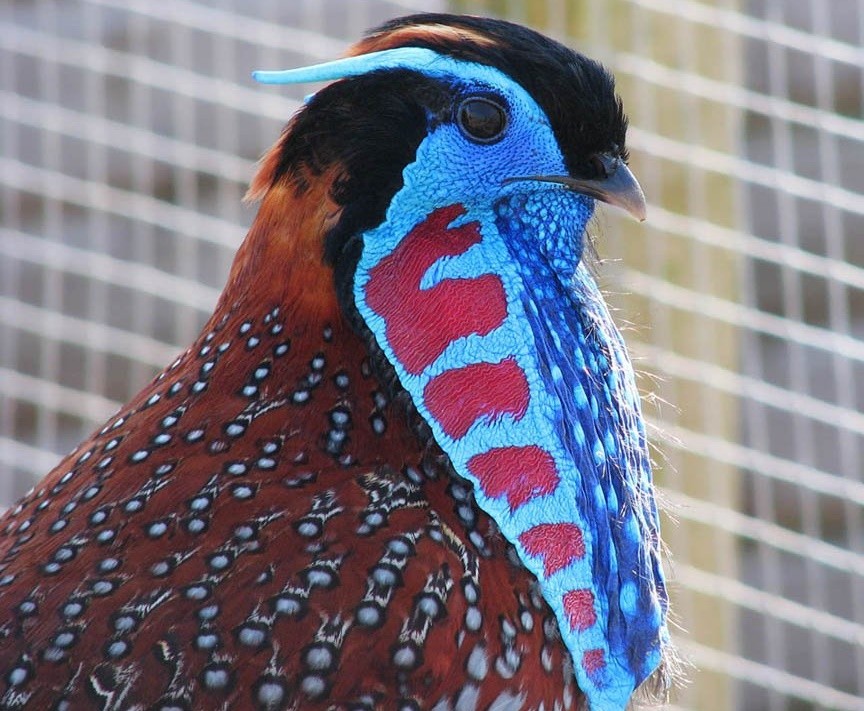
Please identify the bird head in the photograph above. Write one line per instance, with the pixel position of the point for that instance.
(475, 109)
(462, 159)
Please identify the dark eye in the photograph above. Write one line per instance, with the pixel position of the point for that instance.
(482, 120)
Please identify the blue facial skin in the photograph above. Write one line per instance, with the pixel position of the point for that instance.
(584, 406)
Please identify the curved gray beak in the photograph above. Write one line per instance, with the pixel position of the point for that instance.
(619, 187)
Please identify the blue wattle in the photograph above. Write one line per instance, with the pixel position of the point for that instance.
(583, 411)
(577, 341)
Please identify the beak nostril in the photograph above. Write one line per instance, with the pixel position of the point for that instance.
(599, 167)
(603, 165)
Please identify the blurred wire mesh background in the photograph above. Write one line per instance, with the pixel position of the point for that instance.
(128, 131)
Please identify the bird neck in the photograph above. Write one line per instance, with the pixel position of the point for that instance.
(278, 340)
(281, 261)
(273, 363)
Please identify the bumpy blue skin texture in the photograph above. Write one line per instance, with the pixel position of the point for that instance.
(599, 419)
(584, 406)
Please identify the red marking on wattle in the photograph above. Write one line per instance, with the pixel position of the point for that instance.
(520, 473)
(579, 606)
(593, 660)
(421, 323)
(559, 544)
(457, 398)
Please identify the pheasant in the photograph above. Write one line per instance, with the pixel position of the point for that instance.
(404, 465)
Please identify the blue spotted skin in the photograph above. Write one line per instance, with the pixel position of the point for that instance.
(584, 406)
(616, 492)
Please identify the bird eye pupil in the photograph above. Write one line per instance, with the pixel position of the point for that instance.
(481, 119)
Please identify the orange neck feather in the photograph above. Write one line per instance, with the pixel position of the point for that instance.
(282, 258)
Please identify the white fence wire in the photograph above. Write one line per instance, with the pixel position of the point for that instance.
(128, 132)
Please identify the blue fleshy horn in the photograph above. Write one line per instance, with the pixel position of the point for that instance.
(417, 58)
